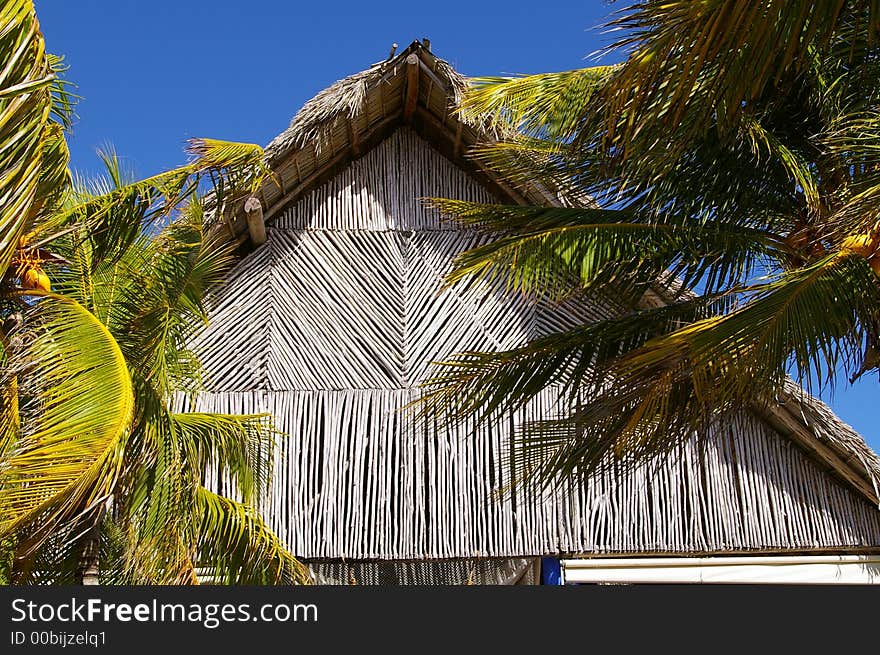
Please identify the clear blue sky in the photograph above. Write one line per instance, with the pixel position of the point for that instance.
(152, 74)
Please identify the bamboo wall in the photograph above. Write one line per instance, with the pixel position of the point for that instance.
(331, 325)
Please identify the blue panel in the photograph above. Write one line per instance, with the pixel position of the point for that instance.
(551, 571)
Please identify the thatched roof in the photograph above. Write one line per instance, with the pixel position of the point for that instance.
(413, 88)
(419, 90)
(812, 424)
(350, 99)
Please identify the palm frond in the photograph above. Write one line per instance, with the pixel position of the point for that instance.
(10, 420)
(738, 145)
(156, 312)
(111, 554)
(76, 406)
(163, 516)
(813, 321)
(25, 114)
(55, 559)
(237, 547)
(217, 155)
(762, 140)
(63, 100)
(115, 214)
(550, 250)
(549, 106)
(239, 446)
(632, 387)
(722, 56)
(574, 363)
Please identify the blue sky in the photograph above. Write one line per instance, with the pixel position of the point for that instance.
(153, 74)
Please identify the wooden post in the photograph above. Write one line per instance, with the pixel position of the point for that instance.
(412, 86)
(256, 226)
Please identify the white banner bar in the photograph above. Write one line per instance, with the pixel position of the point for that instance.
(817, 569)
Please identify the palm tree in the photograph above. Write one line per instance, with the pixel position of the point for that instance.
(96, 456)
(720, 186)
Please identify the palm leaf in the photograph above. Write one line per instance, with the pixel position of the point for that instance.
(76, 408)
(721, 55)
(547, 105)
(239, 446)
(815, 321)
(25, 113)
(552, 250)
(237, 547)
(480, 384)
(160, 306)
(116, 211)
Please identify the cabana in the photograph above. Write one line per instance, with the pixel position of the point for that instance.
(330, 322)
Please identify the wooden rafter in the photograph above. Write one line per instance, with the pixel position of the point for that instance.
(412, 86)
(783, 420)
(353, 138)
(456, 146)
(253, 209)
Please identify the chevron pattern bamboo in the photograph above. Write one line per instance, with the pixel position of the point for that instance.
(331, 325)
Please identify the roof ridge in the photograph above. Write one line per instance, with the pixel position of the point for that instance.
(345, 98)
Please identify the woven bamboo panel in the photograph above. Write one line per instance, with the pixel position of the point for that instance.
(336, 304)
(356, 479)
(234, 348)
(383, 189)
(331, 325)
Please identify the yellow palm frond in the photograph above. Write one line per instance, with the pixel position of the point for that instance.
(76, 410)
(26, 106)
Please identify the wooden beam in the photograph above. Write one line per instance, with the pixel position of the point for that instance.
(299, 174)
(256, 227)
(412, 86)
(433, 76)
(456, 147)
(353, 137)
